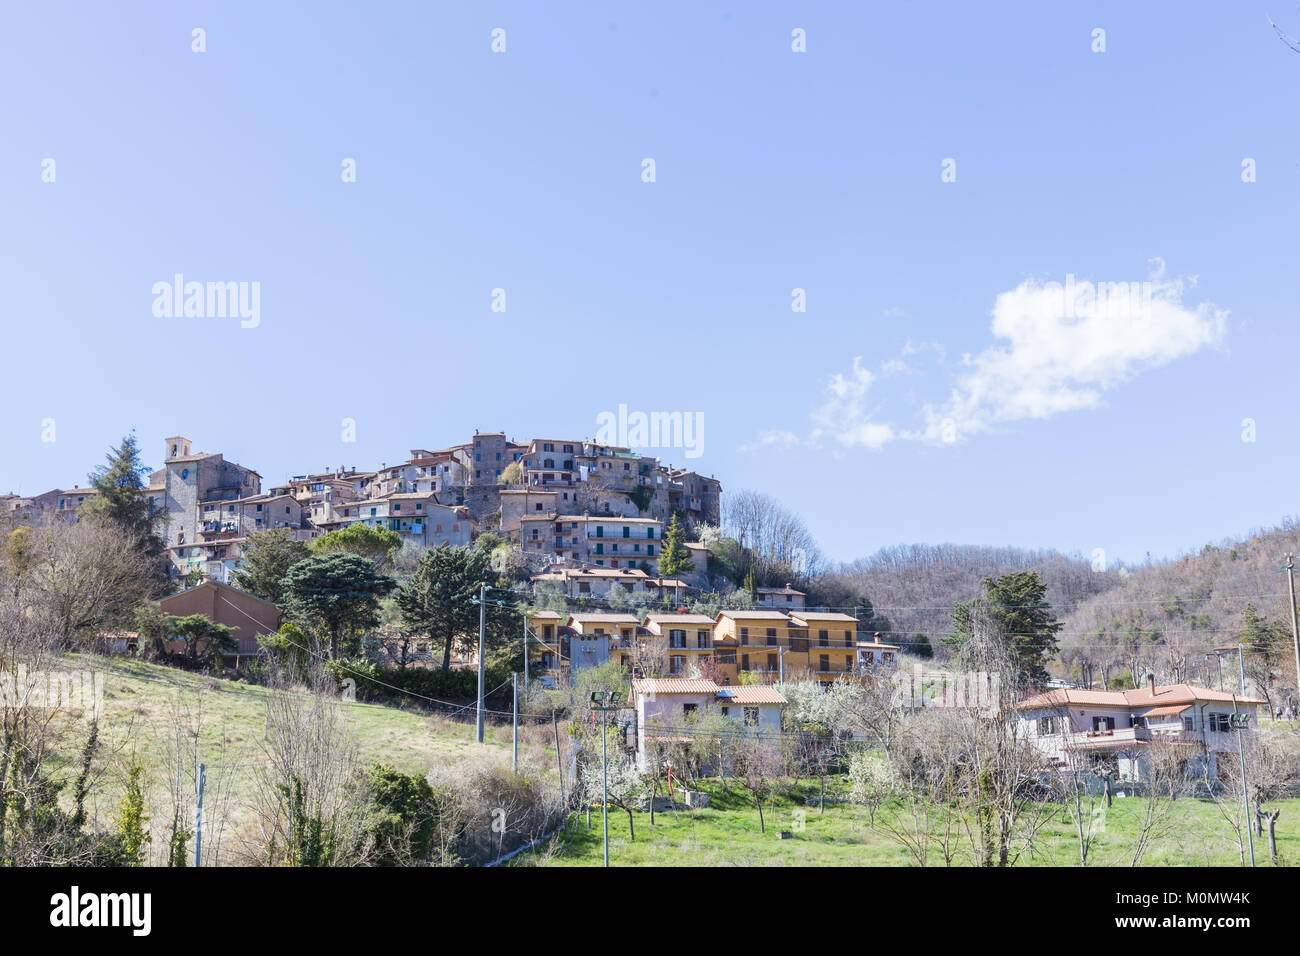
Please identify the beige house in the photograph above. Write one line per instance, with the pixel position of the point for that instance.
(686, 640)
(416, 517)
(786, 598)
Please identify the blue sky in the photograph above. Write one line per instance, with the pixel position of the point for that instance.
(774, 170)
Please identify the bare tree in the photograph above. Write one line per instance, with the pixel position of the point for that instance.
(1164, 763)
(83, 577)
(310, 807)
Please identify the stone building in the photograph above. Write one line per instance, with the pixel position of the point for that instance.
(188, 481)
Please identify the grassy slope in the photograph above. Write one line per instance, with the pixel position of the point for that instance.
(228, 719)
(727, 834)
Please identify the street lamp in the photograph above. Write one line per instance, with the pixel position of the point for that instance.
(598, 702)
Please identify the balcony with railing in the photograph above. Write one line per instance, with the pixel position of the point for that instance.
(1106, 737)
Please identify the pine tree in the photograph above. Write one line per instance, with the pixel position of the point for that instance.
(121, 502)
(1011, 623)
(439, 600)
(676, 557)
(337, 595)
(267, 557)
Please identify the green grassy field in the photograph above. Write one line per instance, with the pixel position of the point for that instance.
(222, 723)
(727, 834)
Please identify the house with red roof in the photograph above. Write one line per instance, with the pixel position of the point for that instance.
(669, 708)
(1120, 728)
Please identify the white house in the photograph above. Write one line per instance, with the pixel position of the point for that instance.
(1119, 728)
(667, 707)
(873, 654)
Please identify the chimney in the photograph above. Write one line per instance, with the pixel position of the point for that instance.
(1151, 682)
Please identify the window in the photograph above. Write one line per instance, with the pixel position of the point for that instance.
(1219, 723)
(751, 716)
(823, 638)
(744, 662)
(771, 635)
(772, 663)
(701, 638)
(1046, 725)
(1103, 723)
(824, 662)
(848, 638)
(744, 635)
(1187, 723)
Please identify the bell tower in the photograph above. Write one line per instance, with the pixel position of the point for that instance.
(177, 447)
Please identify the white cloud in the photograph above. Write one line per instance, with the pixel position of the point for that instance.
(773, 439)
(1068, 344)
(1059, 348)
(845, 416)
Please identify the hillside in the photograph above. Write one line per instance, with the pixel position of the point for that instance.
(913, 587)
(170, 720)
(1167, 616)
(1162, 617)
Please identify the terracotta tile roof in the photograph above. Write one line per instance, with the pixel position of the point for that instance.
(750, 694)
(674, 685)
(1167, 711)
(678, 619)
(823, 616)
(755, 615)
(1182, 693)
(1165, 694)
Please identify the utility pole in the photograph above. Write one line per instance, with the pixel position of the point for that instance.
(514, 721)
(1241, 663)
(482, 622)
(1295, 628)
(198, 817)
(780, 663)
(524, 617)
(1239, 720)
